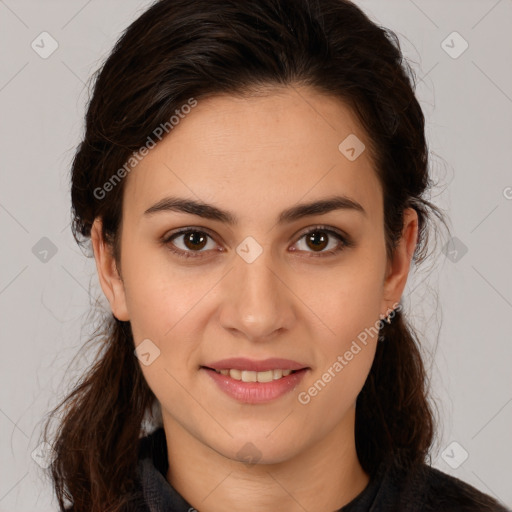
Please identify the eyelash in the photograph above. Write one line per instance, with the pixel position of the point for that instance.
(345, 242)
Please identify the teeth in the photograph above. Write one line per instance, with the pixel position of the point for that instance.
(250, 376)
(235, 374)
(267, 376)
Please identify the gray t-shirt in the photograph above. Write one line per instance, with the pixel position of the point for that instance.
(390, 489)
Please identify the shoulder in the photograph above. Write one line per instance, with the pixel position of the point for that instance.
(433, 490)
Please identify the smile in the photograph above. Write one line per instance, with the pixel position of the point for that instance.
(251, 376)
(252, 387)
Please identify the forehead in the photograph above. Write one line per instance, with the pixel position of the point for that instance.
(257, 155)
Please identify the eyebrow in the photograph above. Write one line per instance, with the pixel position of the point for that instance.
(209, 211)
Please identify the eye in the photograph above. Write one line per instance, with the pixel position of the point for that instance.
(196, 241)
(320, 237)
(193, 241)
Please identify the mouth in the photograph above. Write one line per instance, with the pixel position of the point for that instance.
(251, 387)
(254, 376)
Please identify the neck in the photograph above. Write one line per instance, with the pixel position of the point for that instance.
(324, 476)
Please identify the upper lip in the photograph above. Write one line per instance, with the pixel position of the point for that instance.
(242, 363)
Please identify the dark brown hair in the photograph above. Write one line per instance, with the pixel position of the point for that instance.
(177, 50)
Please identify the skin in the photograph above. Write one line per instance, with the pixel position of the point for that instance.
(256, 156)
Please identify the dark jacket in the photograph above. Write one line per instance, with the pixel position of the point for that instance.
(425, 489)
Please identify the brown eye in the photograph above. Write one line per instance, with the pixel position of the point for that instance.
(316, 240)
(195, 240)
(192, 241)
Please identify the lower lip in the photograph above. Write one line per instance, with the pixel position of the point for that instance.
(256, 392)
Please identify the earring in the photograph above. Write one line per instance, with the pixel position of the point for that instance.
(388, 318)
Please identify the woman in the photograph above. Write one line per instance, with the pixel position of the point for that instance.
(252, 178)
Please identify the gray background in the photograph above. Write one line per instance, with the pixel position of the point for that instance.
(459, 301)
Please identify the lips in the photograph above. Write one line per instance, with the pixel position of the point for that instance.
(248, 380)
(255, 392)
(242, 363)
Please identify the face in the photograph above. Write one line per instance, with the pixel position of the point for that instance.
(242, 279)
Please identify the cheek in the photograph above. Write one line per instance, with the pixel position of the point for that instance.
(166, 306)
(343, 366)
(161, 305)
(158, 295)
(349, 307)
(347, 300)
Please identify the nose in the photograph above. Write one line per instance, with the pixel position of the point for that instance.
(256, 302)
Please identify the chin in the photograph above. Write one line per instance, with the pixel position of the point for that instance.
(259, 450)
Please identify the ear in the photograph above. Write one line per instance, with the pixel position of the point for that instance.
(398, 268)
(110, 280)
